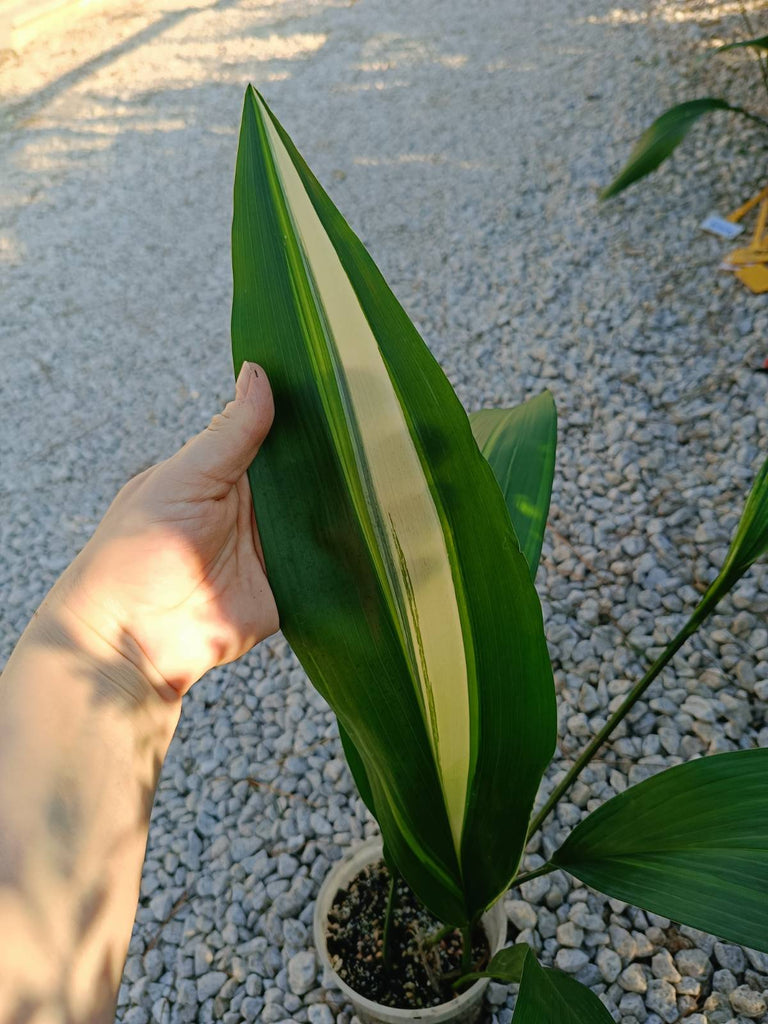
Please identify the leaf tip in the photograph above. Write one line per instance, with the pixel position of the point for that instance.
(547, 395)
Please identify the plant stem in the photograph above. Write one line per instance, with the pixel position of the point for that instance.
(705, 607)
(388, 915)
(763, 62)
(749, 115)
(528, 875)
(466, 949)
(435, 937)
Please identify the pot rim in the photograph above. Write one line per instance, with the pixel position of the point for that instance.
(344, 870)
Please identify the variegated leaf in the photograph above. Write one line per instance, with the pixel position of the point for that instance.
(395, 567)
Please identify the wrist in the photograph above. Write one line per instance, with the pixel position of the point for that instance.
(73, 622)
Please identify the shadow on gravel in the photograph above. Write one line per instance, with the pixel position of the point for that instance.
(157, 28)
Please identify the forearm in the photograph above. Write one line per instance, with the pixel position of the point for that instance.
(83, 734)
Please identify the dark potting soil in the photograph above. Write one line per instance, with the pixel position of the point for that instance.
(416, 977)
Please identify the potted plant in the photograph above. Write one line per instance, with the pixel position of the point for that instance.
(664, 135)
(402, 539)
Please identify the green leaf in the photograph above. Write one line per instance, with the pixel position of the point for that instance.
(422, 630)
(357, 768)
(506, 966)
(519, 445)
(660, 139)
(760, 43)
(750, 541)
(690, 843)
(548, 996)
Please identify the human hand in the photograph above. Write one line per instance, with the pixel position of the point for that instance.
(173, 578)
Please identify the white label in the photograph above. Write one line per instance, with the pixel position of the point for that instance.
(721, 227)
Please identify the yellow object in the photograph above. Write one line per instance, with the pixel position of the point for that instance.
(744, 257)
(754, 277)
(757, 238)
(750, 263)
(736, 216)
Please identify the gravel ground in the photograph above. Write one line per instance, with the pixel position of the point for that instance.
(465, 143)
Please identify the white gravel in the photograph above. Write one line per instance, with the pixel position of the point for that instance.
(465, 142)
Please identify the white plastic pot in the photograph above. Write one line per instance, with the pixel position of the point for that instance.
(464, 1009)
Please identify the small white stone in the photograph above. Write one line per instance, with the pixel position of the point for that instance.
(662, 999)
(663, 966)
(747, 1002)
(536, 889)
(210, 984)
(568, 934)
(521, 914)
(547, 926)
(730, 956)
(622, 942)
(633, 979)
(496, 994)
(688, 986)
(700, 708)
(302, 969)
(693, 962)
(571, 960)
(724, 981)
(319, 1013)
(609, 964)
(757, 959)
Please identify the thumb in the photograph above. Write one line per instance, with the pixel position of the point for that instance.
(226, 448)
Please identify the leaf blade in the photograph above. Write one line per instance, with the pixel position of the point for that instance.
(690, 843)
(759, 43)
(404, 519)
(357, 769)
(660, 139)
(505, 966)
(750, 541)
(273, 308)
(547, 995)
(327, 554)
(519, 445)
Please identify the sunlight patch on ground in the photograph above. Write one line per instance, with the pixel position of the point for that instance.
(377, 85)
(675, 12)
(388, 50)
(457, 60)
(52, 152)
(418, 158)
(111, 73)
(503, 64)
(181, 35)
(11, 251)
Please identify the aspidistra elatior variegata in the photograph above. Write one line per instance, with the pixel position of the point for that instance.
(394, 563)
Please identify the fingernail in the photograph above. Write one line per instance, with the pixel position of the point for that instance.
(254, 392)
(244, 379)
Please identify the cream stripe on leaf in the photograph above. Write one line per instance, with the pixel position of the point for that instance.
(318, 539)
(397, 497)
(397, 574)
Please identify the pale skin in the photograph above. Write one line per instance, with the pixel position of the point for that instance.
(171, 584)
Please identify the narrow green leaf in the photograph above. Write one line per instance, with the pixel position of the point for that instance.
(357, 768)
(506, 966)
(519, 445)
(690, 843)
(760, 43)
(548, 996)
(423, 632)
(750, 541)
(660, 139)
